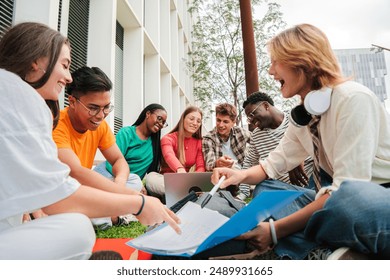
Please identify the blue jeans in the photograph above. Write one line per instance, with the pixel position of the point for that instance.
(355, 216)
(306, 198)
(294, 246)
(133, 182)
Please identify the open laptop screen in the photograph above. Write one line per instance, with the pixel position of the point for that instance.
(178, 185)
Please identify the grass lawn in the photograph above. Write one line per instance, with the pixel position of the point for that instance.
(133, 230)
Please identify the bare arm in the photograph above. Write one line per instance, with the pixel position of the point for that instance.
(261, 235)
(89, 177)
(298, 220)
(85, 199)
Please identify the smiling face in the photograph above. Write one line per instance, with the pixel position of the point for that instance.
(224, 125)
(156, 120)
(258, 115)
(79, 110)
(59, 77)
(292, 81)
(192, 122)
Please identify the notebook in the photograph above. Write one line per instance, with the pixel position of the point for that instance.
(178, 185)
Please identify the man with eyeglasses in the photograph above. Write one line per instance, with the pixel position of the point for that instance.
(269, 126)
(82, 130)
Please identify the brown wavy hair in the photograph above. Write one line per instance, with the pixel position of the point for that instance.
(226, 109)
(24, 44)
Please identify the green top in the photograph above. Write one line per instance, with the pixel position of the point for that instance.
(137, 152)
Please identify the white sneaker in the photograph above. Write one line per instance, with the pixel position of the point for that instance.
(345, 253)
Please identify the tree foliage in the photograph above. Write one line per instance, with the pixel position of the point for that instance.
(217, 57)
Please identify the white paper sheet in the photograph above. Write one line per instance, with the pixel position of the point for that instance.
(196, 224)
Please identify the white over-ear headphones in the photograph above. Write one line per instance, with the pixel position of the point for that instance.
(316, 103)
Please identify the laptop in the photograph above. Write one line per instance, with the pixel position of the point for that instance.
(179, 185)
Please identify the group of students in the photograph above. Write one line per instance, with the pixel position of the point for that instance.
(47, 155)
(149, 156)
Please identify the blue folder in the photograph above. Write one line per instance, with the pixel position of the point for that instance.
(259, 209)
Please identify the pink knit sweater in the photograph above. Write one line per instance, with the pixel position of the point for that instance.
(193, 152)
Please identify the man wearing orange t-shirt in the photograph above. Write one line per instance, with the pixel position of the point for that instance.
(82, 130)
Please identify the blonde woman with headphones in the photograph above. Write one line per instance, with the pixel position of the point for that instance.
(349, 216)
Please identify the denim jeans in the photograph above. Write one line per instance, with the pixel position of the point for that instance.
(294, 246)
(306, 198)
(133, 182)
(355, 216)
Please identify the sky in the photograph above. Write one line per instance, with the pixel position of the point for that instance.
(348, 24)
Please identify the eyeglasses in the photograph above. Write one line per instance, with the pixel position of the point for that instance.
(94, 110)
(251, 115)
(161, 121)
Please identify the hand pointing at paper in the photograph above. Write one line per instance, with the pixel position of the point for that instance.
(252, 176)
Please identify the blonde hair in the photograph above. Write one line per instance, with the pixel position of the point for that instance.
(306, 49)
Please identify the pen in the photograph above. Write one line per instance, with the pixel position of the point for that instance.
(212, 192)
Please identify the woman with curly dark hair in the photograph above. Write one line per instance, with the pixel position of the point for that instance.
(140, 143)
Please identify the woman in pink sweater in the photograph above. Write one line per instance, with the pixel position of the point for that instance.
(181, 149)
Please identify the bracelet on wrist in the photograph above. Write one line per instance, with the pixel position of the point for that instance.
(142, 205)
(273, 231)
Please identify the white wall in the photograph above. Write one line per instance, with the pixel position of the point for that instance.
(156, 42)
(101, 40)
(44, 11)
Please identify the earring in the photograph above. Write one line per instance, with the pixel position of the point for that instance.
(44, 71)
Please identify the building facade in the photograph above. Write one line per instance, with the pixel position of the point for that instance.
(365, 66)
(142, 45)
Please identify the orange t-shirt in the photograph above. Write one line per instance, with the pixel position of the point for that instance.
(84, 145)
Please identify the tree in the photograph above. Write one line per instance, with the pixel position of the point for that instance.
(217, 59)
